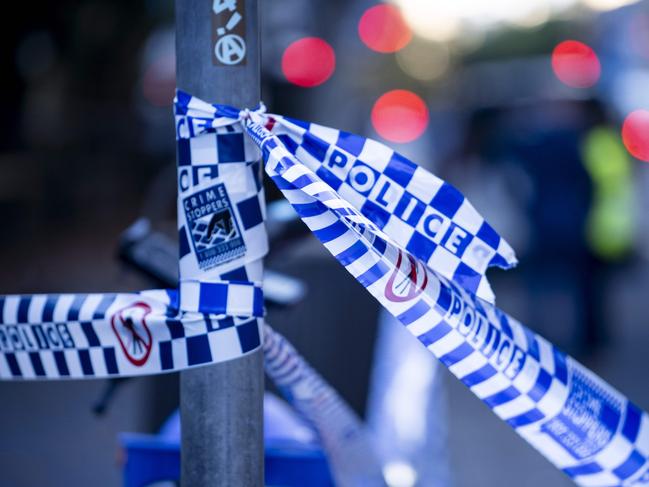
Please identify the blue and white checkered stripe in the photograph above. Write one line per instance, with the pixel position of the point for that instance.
(216, 315)
(425, 215)
(230, 298)
(577, 421)
(73, 336)
(348, 446)
(214, 153)
(341, 431)
(221, 211)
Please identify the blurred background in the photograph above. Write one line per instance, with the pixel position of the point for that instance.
(535, 110)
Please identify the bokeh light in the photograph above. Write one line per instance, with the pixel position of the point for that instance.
(308, 62)
(635, 134)
(400, 116)
(400, 474)
(436, 21)
(383, 29)
(423, 60)
(604, 5)
(536, 15)
(638, 34)
(576, 64)
(445, 21)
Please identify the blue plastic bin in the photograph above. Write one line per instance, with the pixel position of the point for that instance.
(293, 456)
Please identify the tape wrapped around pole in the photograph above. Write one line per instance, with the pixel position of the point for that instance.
(412, 240)
(217, 313)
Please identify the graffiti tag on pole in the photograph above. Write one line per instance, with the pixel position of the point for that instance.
(228, 32)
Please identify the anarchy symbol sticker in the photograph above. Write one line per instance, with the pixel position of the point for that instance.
(408, 280)
(230, 49)
(129, 325)
(228, 32)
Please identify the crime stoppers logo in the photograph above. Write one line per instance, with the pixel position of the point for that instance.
(408, 280)
(214, 230)
(129, 325)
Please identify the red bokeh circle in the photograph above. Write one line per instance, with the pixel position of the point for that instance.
(308, 62)
(576, 64)
(400, 116)
(383, 29)
(635, 134)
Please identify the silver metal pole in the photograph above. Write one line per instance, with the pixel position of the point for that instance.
(221, 406)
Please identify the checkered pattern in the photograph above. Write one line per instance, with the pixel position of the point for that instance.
(221, 208)
(348, 446)
(221, 213)
(218, 314)
(576, 420)
(229, 298)
(72, 336)
(580, 423)
(425, 215)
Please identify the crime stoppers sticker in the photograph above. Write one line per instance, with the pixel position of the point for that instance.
(214, 231)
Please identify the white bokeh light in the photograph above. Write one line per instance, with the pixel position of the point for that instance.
(604, 5)
(444, 20)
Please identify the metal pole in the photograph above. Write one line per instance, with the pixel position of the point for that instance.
(217, 59)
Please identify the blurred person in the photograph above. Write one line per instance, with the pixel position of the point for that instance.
(563, 167)
(611, 222)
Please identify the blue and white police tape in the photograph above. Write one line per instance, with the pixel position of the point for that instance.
(220, 195)
(422, 213)
(426, 215)
(72, 336)
(221, 211)
(349, 448)
(116, 335)
(577, 421)
(217, 313)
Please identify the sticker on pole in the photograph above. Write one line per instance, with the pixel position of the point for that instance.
(133, 334)
(228, 33)
(213, 228)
